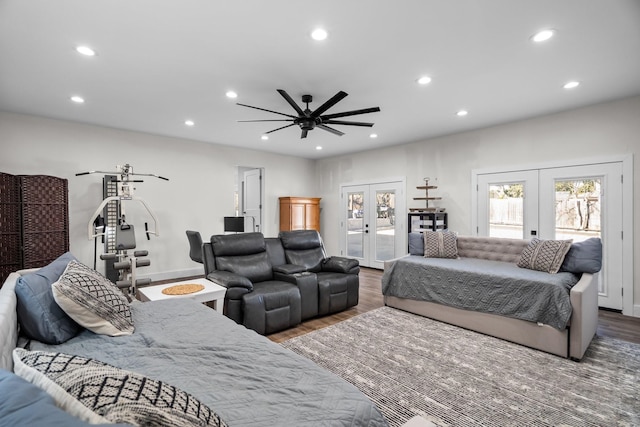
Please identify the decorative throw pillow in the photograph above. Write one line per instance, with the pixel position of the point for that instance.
(584, 257)
(97, 392)
(416, 244)
(440, 244)
(93, 301)
(544, 255)
(39, 316)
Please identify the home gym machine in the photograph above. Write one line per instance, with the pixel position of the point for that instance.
(109, 222)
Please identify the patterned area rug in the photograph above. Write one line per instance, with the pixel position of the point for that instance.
(410, 365)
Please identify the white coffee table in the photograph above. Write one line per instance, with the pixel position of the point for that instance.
(211, 292)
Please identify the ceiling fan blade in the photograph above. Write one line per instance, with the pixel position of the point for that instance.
(332, 130)
(350, 113)
(304, 133)
(269, 111)
(280, 128)
(274, 120)
(340, 122)
(330, 103)
(291, 102)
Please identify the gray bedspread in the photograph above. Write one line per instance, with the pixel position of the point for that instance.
(481, 285)
(244, 377)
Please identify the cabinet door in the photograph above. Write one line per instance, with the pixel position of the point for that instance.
(298, 216)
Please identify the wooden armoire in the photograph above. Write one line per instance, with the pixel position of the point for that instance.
(299, 213)
(34, 221)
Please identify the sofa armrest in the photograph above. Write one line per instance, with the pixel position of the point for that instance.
(339, 264)
(584, 318)
(230, 280)
(289, 268)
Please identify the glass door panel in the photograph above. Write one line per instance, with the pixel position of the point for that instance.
(577, 204)
(355, 224)
(385, 228)
(506, 213)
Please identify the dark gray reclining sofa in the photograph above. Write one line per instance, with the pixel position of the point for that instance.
(276, 283)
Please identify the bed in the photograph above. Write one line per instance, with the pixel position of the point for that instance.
(245, 378)
(482, 288)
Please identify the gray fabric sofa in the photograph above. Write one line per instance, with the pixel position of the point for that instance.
(571, 341)
(276, 283)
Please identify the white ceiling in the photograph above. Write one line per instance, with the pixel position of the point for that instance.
(162, 62)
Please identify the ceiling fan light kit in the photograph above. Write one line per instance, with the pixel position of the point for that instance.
(308, 120)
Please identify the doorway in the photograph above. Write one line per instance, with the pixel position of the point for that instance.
(574, 202)
(372, 222)
(249, 200)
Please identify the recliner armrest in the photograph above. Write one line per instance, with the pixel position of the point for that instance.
(339, 264)
(289, 268)
(230, 280)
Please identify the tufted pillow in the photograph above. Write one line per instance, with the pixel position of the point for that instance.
(97, 392)
(39, 316)
(93, 301)
(440, 244)
(544, 255)
(584, 257)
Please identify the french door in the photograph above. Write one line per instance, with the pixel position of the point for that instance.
(574, 202)
(372, 223)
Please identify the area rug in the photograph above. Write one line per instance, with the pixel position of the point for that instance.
(410, 365)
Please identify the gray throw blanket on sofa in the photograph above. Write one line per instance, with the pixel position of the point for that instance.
(487, 286)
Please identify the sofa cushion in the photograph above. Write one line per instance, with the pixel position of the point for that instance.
(98, 392)
(440, 244)
(93, 301)
(39, 315)
(584, 257)
(244, 254)
(544, 255)
(303, 247)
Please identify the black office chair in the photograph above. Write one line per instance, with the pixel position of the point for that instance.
(195, 245)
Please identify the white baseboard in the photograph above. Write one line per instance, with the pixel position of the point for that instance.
(174, 274)
(636, 310)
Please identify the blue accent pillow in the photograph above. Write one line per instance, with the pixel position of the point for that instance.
(584, 257)
(25, 404)
(39, 315)
(416, 244)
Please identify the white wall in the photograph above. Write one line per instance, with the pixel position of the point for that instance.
(202, 175)
(600, 130)
(199, 193)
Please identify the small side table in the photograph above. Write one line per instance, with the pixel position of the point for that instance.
(211, 292)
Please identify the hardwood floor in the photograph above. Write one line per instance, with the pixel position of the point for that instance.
(610, 323)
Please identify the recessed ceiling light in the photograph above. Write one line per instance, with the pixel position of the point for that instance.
(373, 135)
(85, 50)
(77, 99)
(542, 36)
(424, 80)
(571, 84)
(462, 113)
(264, 137)
(319, 34)
(189, 122)
(231, 94)
(318, 147)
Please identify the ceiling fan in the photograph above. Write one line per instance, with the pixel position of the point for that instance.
(309, 120)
